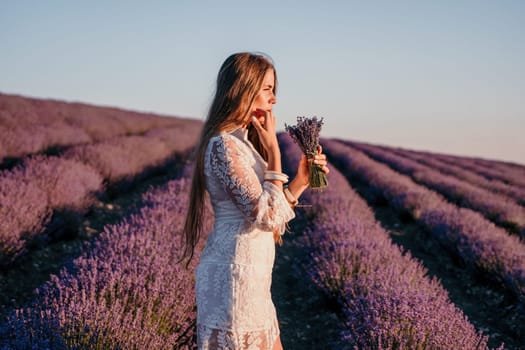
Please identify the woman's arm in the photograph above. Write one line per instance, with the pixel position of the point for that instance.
(268, 138)
(263, 204)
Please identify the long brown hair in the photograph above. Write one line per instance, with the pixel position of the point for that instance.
(239, 80)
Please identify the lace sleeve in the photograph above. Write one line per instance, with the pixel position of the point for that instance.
(264, 204)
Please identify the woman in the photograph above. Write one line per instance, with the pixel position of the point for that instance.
(238, 162)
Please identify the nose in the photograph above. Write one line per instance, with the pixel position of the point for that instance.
(273, 99)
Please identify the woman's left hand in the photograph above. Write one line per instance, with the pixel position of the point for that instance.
(319, 159)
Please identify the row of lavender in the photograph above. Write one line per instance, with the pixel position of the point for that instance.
(126, 292)
(512, 174)
(386, 298)
(30, 125)
(511, 171)
(498, 208)
(43, 189)
(500, 164)
(456, 169)
(466, 233)
(507, 173)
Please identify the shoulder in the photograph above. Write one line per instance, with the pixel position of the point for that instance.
(224, 143)
(226, 138)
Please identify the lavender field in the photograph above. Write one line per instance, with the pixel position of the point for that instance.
(403, 250)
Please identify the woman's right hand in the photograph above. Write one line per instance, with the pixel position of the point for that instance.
(303, 172)
(266, 130)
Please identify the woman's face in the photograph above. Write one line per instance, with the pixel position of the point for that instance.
(265, 99)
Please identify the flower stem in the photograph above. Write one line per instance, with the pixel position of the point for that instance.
(317, 178)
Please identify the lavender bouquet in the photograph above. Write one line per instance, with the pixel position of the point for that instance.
(306, 135)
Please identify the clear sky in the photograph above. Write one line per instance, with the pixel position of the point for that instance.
(446, 76)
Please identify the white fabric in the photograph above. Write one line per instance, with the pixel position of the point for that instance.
(233, 278)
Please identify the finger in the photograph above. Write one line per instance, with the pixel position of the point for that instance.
(319, 149)
(325, 169)
(320, 157)
(266, 120)
(257, 125)
(270, 120)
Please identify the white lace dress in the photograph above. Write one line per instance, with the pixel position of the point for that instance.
(233, 278)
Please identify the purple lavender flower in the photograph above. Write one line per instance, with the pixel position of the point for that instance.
(306, 135)
(126, 291)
